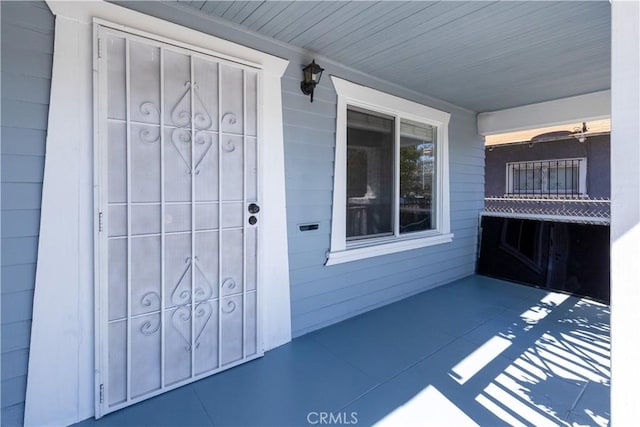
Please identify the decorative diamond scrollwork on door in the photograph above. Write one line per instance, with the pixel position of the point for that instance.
(149, 298)
(181, 321)
(201, 119)
(147, 136)
(205, 140)
(229, 307)
(148, 328)
(229, 119)
(148, 108)
(229, 146)
(181, 136)
(200, 293)
(181, 296)
(229, 283)
(203, 311)
(181, 276)
(150, 133)
(181, 112)
(180, 139)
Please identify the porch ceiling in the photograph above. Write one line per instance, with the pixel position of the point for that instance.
(481, 55)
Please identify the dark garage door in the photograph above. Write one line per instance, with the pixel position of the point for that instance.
(552, 255)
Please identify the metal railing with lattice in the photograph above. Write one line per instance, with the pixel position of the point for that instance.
(578, 210)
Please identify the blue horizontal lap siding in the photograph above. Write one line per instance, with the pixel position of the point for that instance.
(20, 223)
(23, 114)
(376, 281)
(323, 295)
(14, 364)
(320, 295)
(308, 278)
(21, 168)
(16, 278)
(23, 141)
(27, 63)
(27, 57)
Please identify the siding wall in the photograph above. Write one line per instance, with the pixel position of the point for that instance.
(323, 295)
(597, 150)
(320, 295)
(27, 47)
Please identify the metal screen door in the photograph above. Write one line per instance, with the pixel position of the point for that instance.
(178, 234)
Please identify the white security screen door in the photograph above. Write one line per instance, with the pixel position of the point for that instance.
(179, 217)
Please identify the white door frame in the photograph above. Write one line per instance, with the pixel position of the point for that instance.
(60, 384)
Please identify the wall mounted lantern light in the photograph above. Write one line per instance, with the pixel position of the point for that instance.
(312, 74)
(579, 134)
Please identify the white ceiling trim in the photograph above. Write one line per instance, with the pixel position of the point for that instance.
(593, 106)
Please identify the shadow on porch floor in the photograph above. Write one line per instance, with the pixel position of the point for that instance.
(478, 351)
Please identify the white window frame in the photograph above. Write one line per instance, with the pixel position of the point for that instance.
(351, 94)
(582, 178)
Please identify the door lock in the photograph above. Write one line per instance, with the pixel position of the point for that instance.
(253, 208)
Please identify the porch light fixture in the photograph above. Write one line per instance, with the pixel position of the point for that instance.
(579, 134)
(312, 74)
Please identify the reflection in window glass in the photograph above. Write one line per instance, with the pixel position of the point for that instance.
(523, 239)
(564, 177)
(370, 141)
(417, 172)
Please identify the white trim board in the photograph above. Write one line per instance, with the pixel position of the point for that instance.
(625, 210)
(593, 106)
(60, 382)
(352, 94)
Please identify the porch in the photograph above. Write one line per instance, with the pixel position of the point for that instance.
(476, 351)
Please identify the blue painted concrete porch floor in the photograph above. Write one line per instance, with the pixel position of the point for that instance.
(478, 351)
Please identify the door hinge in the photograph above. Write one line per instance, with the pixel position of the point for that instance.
(99, 221)
(100, 48)
(101, 393)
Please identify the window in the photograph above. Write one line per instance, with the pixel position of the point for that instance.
(391, 176)
(559, 177)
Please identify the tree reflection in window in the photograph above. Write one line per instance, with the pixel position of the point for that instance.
(417, 172)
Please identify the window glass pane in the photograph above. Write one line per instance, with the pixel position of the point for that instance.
(417, 176)
(528, 178)
(370, 141)
(564, 177)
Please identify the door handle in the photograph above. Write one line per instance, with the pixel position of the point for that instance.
(253, 208)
